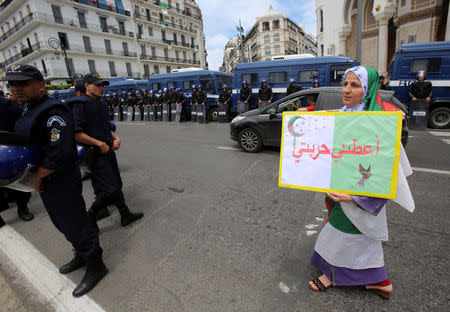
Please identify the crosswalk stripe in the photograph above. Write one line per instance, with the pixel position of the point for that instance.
(431, 170)
(438, 133)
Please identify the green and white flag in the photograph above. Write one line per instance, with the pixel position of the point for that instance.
(349, 152)
(163, 7)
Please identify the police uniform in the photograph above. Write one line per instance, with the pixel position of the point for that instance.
(201, 100)
(91, 118)
(9, 113)
(293, 88)
(48, 124)
(193, 107)
(181, 99)
(225, 99)
(265, 94)
(245, 94)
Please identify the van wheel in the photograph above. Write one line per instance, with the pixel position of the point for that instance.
(213, 114)
(440, 118)
(250, 140)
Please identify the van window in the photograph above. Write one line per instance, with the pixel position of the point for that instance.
(337, 73)
(221, 80)
(277, 77)
(308, 75)
(171, 84)
(251, 78)
(187, 84)
(431, 65)
(142, 86)
(156, 86)
(207, 84)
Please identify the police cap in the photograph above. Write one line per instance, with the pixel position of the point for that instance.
(22, 73)
(95, 79)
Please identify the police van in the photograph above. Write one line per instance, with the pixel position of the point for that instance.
(211, 82)
(122, 85)
(434, 59)
(328, 70)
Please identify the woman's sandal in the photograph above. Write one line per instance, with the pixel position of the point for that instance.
(383, 294)
(320, 286)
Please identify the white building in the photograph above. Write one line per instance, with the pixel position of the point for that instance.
(100, 36)
(385, 25)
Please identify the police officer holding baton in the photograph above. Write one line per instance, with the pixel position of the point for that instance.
(49, 125)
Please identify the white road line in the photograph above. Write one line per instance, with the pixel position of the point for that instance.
(130, 123)
(431, 170)
(42, 274)
(228, 148)
(437, 133)
(446, 141)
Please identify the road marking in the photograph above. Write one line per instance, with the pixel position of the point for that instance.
(131, 123)
(42, 274)
(446, 141)
(311, 226)
(309, 233)
(431, 170)
(228, 148)
(437, 133)
(284, 288)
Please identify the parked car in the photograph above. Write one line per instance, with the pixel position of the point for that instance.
(262, 127)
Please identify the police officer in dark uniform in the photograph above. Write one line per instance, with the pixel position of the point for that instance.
(420, 93)
(201, 100)
(181, 101)
(265, 95)
(381, 84)
(48, 123)
(420, 89)
(167, 98)
(316, 83)
(10, 111)
(293, 87)
(173, 102)
(115, 103)
(144, 103)
(76, 78)
(160, 102)
(93, 128)
(245, 95)
(151, 103)
(194, 103)
(224, 101)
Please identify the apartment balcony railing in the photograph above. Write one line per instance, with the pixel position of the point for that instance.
(184, 12)
(167, 41)
(167, 59)
(24, 52)
(102, 6)
(162, 22)
(16, 27)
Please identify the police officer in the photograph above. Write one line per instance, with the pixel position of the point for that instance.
(123, 100)
(166, 100)
(144, 103)
(129, 103)
(265, 95)
(76, 78)
(160, 102)
(224, 101)
(381, 84)
(316, 83)
(93, 128)
(173, 102)
(151, 103)
(420, 89)
(48, 123)
(10, 112)
(181, 101)
(293, 87)
(115, 103)
(245, 96)
(201, 102)
(194, 103)
(420, 93)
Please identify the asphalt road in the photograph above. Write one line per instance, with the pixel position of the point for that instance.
(219, 234)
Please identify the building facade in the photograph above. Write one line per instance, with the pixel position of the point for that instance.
(110, 37)
(385, 25)
(273, 34)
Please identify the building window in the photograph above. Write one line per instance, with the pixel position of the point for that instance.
(82, 19)
(143, 50)
(265, 26)
(266, 38)
(277, 77)
(166, 54)
(146, 71)
(277, 49)
(321, 20)
(147, 13)
(369, 19)
(57, 14)
(419, 4)
(403, 2)
(156, 70)
(63, 39)
(125, 49)
(267, 50)
(168, 69)
(103, 24)
(276, 37)
(321, 50)
(87, 44)
(184, 55)
(129, 71)
(108, 47)
(153, 51)
(276, 24)
(150, 31)
(112, 69)
(91, 64)
(44, 68)
(122, 28)
(177, 55)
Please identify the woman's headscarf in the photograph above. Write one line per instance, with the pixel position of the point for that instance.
(369, 82)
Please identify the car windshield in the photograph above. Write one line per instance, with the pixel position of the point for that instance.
(286, 105)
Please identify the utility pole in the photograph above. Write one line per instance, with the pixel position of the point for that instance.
(359, 31)
(241, 41)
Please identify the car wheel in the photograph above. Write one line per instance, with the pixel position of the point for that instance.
(213, 114)
(250, 140)
(440, 118)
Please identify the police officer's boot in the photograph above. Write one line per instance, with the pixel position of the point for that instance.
(126, 216)
(23, 212)
(73, 265)
(95, 272)
(103, 213)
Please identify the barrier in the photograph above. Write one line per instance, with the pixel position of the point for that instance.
(166, 112)
(201, 114)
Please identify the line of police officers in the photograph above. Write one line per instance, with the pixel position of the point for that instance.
(55, 128)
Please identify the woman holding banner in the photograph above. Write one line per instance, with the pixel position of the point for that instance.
(348, 250)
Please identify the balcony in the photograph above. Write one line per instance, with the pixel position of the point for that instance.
(16, 27)
(101, 6)
(100, 51)
(167, 59)
(162, 22)
(24, 52)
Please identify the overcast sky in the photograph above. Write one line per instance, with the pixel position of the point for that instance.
(220, 18)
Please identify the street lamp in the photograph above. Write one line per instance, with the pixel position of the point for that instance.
(56, 44)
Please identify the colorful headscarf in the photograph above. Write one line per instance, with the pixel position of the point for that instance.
(369, 82)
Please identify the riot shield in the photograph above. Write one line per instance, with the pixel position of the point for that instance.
(160, 113)
(129, 113)
(193, 113)
(137, 114)
(173, 112)
(152, 113)
(178, 113)
(166, 112)
(223, 113)
(147, 113)
(242, 108)
(116, 114)
(418, 115)
(201, 113)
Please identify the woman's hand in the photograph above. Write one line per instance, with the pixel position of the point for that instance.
(339, 197)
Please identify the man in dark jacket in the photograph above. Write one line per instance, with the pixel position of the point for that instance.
(181, 105)
(265, 95)
(420, 89)
(245, 96)
(194, 103)
(293, 87)
(201, 108)
(224, 102)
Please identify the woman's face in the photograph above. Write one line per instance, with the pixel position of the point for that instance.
(352, 92)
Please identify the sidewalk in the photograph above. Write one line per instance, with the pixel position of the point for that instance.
(9, 301)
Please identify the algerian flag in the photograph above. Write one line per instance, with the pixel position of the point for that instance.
(348, 152)
(163, 7)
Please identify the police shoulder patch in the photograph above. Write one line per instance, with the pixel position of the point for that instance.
(55, 134)
(58, 119)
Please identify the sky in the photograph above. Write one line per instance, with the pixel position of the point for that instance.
(220, 18)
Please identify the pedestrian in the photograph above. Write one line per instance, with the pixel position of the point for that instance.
(224, 103)
(194, 103)
(245, 95)
(201, 105)
(10, 112)
(293, 87)
(381, 83)
(316, 83)
(348, 250)
(265, 95)
(93, 128)
(49, 125)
